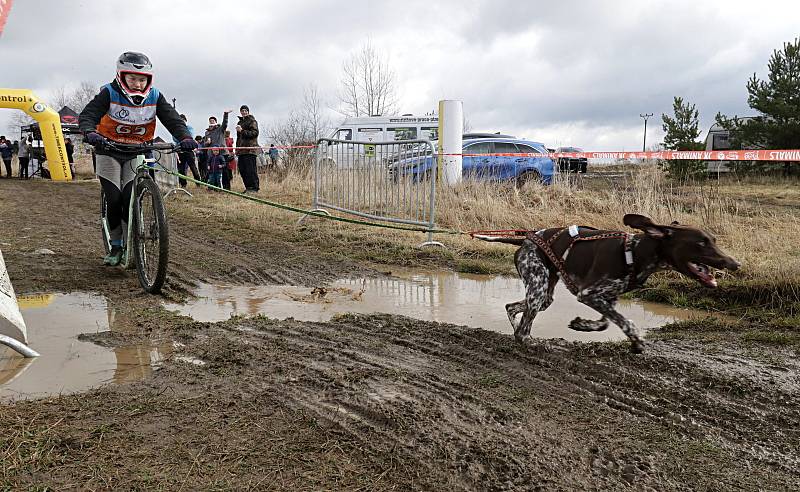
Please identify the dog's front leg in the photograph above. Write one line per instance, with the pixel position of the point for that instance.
(606, 308)
(513, 309)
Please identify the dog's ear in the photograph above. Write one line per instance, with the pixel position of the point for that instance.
(646, 225)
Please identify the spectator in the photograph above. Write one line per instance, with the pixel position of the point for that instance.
(24, 156)
(202, 159)
(246, 148)
(216, 167)
(6, 152)
(70, 151)
(231, 169)
(186, 158)
(273, 156)
(215, 137)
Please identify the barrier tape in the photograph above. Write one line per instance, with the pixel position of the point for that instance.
(5, 8)
(279, 147)
(788, 155)
(791, 155)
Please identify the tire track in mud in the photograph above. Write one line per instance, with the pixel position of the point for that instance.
(458, 399)
(762, 425)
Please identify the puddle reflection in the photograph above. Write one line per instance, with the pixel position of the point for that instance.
(68, 365)
(465, 299)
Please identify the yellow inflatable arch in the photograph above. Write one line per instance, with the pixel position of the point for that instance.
(49, 124)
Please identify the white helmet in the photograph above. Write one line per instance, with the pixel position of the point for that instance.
(134, 63)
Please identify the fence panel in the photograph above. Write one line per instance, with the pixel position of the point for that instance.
(385, 181)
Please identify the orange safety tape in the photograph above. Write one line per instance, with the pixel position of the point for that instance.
(789, 155)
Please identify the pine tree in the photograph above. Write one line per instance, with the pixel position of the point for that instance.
(681, 133)
(777, 101)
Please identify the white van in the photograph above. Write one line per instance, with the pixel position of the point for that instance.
(380, 129)
(388, 128)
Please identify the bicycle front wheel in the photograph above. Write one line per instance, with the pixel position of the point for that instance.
(104, 230)
(150, 237)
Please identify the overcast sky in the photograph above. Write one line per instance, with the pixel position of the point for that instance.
(562, 73)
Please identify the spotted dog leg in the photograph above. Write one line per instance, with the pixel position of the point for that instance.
(580, 324)
(534, 275)
(602, 299)
(513, 309)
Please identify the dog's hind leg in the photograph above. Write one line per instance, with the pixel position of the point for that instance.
(537, 293)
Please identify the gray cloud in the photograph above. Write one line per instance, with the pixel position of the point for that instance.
(577, 71)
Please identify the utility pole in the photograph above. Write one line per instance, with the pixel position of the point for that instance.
(644, 140)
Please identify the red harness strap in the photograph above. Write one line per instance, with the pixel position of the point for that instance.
(547, 248)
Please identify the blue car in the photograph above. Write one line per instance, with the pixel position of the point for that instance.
(478, 162)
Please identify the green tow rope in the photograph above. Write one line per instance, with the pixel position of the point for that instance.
(308, 212)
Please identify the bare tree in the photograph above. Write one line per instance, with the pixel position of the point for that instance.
(313, 118)
(368, 84)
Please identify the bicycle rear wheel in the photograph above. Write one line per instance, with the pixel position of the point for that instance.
(150, 236)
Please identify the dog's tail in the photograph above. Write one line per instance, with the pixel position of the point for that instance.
(517, 241)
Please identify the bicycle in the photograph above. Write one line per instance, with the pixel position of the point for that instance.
(147, 241)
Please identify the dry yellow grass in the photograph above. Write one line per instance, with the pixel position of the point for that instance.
(760, 233)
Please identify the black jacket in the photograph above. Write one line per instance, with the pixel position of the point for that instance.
(97, 108)
(248, 137)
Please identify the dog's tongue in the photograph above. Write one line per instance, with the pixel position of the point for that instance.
(704, 274)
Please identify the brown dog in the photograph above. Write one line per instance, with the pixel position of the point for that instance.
(599, 266)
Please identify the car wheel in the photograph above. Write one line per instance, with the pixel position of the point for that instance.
(422, 178)
(526, 177)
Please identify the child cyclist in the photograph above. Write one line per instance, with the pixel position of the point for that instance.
(125, 112)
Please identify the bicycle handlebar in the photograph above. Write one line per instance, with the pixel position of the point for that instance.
(139, 148)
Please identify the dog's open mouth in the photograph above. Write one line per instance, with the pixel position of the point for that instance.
(703, 274)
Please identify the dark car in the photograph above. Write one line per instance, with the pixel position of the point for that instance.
(571, 164)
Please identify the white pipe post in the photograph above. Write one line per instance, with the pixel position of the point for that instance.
(451, 126)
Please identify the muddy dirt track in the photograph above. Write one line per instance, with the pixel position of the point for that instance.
(372, 402)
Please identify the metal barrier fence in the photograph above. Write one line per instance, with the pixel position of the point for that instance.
(168, 183)
(384, 181)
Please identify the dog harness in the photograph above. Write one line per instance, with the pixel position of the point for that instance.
(547, 245)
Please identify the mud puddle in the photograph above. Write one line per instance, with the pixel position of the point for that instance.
(464, 299)
(67, 364)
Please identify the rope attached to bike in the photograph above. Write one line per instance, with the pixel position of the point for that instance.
(309, 212)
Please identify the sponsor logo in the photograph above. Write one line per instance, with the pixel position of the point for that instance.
(69, 119)
(790, 155)
(122, 113)
(38, 108)
(18, 99)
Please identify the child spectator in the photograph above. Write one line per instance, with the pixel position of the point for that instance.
(216, 167)
(273, 156)
(202, 159)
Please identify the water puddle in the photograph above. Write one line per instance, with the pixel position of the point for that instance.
(464, 299)
(68, 365)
